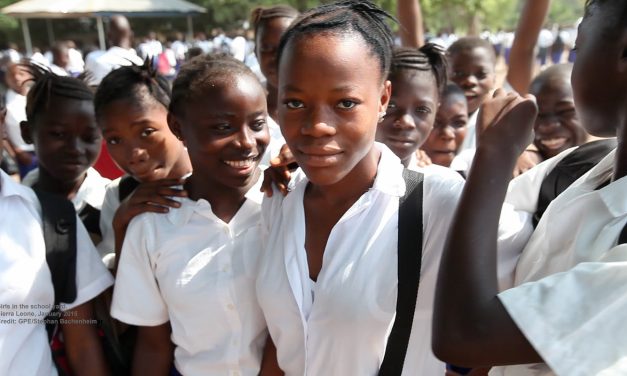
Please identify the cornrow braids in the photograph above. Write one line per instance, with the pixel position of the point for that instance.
(429, 58)
(47, 84)
(203, 72)
(344, 17)
(261, 15)
(132, 82)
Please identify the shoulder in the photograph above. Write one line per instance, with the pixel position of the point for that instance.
(442, 182)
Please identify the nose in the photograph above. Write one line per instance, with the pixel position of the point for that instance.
(137, 155)
(245, 139)
(318, 124)
(468, 81)
(547, 122)
(405, 122)
(446, 133)
(75, 145)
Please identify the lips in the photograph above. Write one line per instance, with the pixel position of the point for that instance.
(553, 143)
(319, 157)
(243, 166)
(145, 174)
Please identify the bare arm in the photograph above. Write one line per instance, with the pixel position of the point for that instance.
(154, 351)
(269, 362)
(410, 19)
(471, 327)
(82, 344)
(522, 57)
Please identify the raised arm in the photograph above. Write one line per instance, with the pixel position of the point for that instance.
(410, 19)
(471, 327)
(522, 57)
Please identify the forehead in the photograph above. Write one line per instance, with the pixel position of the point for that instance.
(476, 57)
(454, 102)
(238, 91)
(557, 86)
(330, 58)
(415, 83)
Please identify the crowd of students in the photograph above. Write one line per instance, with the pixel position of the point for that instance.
(262, 228)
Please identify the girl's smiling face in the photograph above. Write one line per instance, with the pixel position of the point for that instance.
(410, 113)
(140, 141)
(330, 93)
(449, 131)
(225, 131)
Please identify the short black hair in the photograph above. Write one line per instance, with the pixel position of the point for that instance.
(453, 90)
(614, 20)
(260, 15)
(470, 43)
(552, 73)
(344, 17)
(203, 72)
(132, 82)
(429, 58)
(46, 85)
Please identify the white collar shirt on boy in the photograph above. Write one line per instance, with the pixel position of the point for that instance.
(344, 330)
(25, 286)
(575, 245)
(190, 268)
(92, 190)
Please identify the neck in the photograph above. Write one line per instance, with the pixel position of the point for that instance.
(67, 189)
(225, 201)
(357, 182)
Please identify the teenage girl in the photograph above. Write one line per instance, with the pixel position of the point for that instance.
(564, 312)
(449, 129)
(62, 126)
(334, 316)
(27, 293)
(186, 278)
(131, 107)
(269, 24)
(418, 77)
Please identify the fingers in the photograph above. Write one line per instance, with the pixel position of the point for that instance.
(284, 158)
(279, 176)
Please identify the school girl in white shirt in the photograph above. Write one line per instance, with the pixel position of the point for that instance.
(563, 315)
(186, 278)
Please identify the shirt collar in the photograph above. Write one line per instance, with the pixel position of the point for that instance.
(9, 187)
(613, 195)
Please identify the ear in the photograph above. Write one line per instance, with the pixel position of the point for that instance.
(27, 134)
(386, 94)
(175, 127)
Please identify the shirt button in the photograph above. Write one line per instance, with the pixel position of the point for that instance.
(230, 306)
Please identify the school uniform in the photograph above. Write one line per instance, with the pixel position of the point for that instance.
(25, 279)
(339, 324)
(110, 204)
(192, 269)
(570, 280)
(276, 142)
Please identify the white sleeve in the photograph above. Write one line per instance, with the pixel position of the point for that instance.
(574, 319)
(515, 224)
(109, 206)
(92, 277)
(137, 299)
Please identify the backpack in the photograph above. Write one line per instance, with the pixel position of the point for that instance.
(59, 229)
(409, 263)
(568, 170)
(126, 187)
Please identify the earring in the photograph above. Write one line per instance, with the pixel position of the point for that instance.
(381, 116)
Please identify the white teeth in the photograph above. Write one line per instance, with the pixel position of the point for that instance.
(554, 143)
(241, 164)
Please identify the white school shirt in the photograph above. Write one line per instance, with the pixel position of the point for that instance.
(276, 142)
(101, 64)
(25, 279)
(92, 189)
(110, 204)
(192, 269)
(570, 297)
(344, 330)
(16, 113)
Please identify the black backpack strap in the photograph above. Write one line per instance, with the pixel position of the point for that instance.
(409, 263)
(59, 228)
(90, 217)
(126, 187)
(568, 170)
(622, 238)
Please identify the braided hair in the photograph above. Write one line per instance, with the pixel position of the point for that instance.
(348, 17)
(428, 58)
(260, 15)
(203, 72)
(46, 85)
(133, 82)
